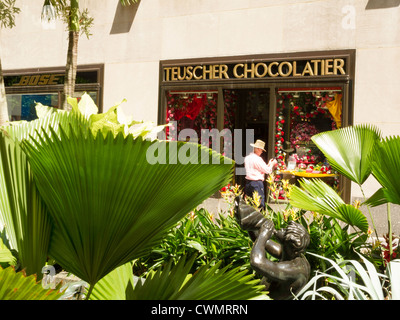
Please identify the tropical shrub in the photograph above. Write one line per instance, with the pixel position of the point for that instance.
(19, 286)
(78, 187)
(351, 280)
(176, 282)
(211, 238)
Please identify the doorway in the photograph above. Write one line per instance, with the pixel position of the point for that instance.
(253, 108)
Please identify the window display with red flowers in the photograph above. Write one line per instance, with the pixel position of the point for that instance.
(300, 114)
(191, 110)
(198, 111)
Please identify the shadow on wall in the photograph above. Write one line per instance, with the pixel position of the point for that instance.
(382, 4)
(123, 18)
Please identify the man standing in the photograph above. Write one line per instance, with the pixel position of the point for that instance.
(256, 168)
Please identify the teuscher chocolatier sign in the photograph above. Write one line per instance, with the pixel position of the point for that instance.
(254, 70)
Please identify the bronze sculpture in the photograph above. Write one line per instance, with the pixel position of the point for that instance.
(286, 277)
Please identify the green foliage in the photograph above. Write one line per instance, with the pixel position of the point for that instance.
(98, 225)
(8, 10)
(316, 195)
(176, 282)
(18, 286)
(330, 239)
(354, 280)
(70, 13)
(6, 256)
(82, 171)
(117, 285)
(22, 210)
(213, 239)
(128, 2)
(385, 167)
(348, 150)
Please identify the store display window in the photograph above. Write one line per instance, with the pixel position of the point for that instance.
(300, 114)
(26, 88)
(22, 106)
(198, 111)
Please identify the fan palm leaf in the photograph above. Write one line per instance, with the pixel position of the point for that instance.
(316, 195)
(385, 165)
(214, 284)
(5, 255)
(22, 210)
(18, 286)
(347, 150)
(109, 204)
(174, 282)
(116, 285)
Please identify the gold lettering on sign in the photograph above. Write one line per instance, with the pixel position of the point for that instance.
(338, 65)
(280, 69)
(23, 81)
(304, 68)
(328, 66)
(38, 80)
(207, 72)
(258, 66)
(44, 79)
(194, 73)
(223, 69)
(53, 79)
(270, 69)
(315, 62)
(295, 74)
(181, 76)
(308, 69)
(235, 70)
(248, 70)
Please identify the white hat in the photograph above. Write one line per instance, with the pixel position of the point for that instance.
(259, 144)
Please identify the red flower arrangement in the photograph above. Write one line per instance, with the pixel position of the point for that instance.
(302, 133)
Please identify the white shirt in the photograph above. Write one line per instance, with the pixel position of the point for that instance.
(256, 168)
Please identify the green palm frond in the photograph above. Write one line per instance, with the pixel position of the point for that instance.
(31, 130)
(164, 283)
(116, 285)
(18, 286)
(316, 195)
(5, 255)
(385, 164)
(22, 211)
(109, 204)
(208, 283)
(128, 2)
(347, 150)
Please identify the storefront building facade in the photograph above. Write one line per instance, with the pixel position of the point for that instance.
(281, 99)
(239, 64)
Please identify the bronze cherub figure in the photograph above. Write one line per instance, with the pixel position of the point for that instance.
(286, 277)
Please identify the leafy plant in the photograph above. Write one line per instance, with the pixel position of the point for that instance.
(213, 239)
(18, 286)
(348, 149)
(22, 210)
(355, 152)
(352, 280)
(175, 282)
(316, 195)
(6, 257)
(106, 204)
